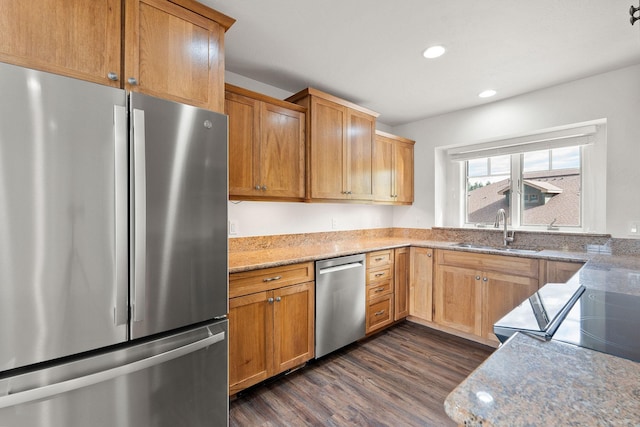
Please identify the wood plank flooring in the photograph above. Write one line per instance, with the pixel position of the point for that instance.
(399, 377)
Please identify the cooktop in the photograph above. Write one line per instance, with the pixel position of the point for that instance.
(608, 322)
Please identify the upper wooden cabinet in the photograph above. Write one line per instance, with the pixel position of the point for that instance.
(76, 38)
(266, 147)
(340, 147)
(175, 50)
(171, 49)
(393, 169)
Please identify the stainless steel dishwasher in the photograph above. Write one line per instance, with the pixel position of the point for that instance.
(340, 302)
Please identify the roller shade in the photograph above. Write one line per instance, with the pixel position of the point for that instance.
(582, 135)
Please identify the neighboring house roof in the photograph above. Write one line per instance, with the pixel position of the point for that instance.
(542, 186)
(564, 206)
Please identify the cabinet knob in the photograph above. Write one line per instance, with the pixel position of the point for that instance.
(264, 188)
(132, 81)
(257, 187)
(269, 300)
(112, 76)
(484, 279)
(477, 277)
(278, 299)
(429, 255)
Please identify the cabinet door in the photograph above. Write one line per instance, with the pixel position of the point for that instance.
(328, 124)
(293, 326)
(174, 53)
(403, 173)
(560, 271)
(457, 296)
(383, 152)
(359, 146)
(421, 288)
(282, 152)
(76, 38)
(244, 150)
(401, 279)
(250, 340)
(502, 293)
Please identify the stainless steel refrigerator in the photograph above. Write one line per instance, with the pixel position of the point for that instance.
(113, 257)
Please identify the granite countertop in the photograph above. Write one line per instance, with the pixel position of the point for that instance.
(528, 382)
(240, 261)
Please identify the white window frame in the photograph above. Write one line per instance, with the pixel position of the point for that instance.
(591, 136)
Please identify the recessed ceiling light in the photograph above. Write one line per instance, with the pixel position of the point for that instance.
(433, 52)
(487, 93)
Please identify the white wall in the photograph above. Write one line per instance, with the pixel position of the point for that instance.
(614, 96)
(269, 218)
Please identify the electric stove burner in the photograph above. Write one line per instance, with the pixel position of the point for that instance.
(608, 322)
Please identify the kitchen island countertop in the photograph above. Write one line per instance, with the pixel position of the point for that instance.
(532, 382)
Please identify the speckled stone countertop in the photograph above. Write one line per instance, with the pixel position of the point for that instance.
(274, 257)
(527, 382)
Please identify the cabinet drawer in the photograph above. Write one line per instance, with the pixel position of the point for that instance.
(250, 282)
(379, 313)
(379, 274)
(380, 258)
(379, 289)
(527, 267)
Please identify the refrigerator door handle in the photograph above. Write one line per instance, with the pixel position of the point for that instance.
(121, 236)
(140, 216)
(106, 375)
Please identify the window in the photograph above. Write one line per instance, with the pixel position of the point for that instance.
(551, 177)
(546, 185)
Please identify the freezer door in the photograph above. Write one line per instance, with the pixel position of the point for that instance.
(178, 214)
(180, 380)
(63, 216)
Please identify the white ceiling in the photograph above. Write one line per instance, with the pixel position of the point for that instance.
(370, 51)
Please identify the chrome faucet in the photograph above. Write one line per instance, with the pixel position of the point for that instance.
(508, 234)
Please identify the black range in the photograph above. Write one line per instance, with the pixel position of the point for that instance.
(608, 322)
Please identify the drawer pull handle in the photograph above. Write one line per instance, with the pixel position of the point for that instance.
(379, 274)
(379, 289)
(379, 313)
(271, 279)
(379, 259)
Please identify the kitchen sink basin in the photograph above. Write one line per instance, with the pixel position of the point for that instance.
(494, 248)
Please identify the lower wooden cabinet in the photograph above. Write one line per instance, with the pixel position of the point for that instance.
(271, 330)
(471, 291)
(380, 290)
(421, 283)
(561, 271)
(401, 277)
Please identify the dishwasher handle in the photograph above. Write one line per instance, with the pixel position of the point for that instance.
(333, 269)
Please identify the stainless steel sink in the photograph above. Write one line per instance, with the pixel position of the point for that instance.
(494, 248)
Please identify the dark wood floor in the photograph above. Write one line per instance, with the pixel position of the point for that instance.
(399, 377)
